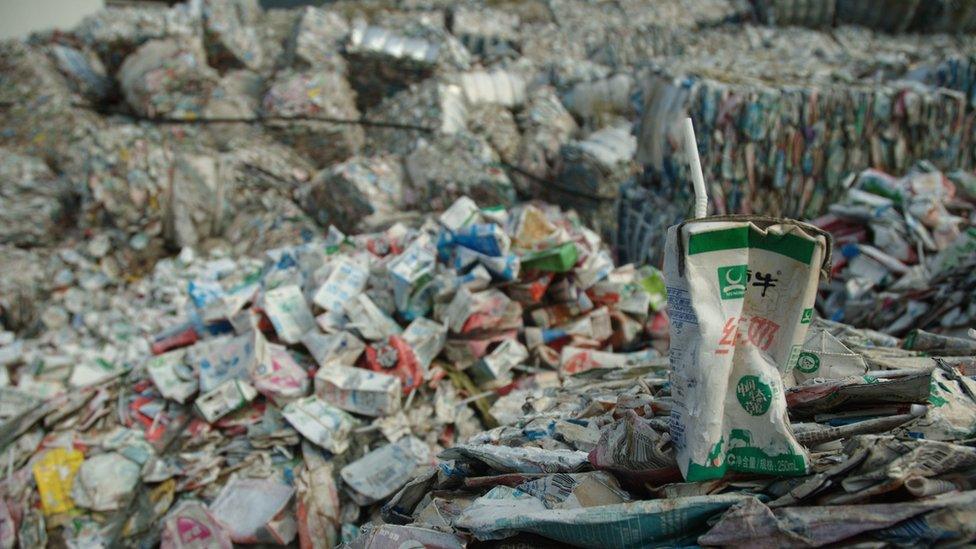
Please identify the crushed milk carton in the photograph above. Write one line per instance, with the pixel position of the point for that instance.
(740, 298)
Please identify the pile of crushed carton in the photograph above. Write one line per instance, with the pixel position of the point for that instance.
(293, 276)
(906, 251)
(285, 395)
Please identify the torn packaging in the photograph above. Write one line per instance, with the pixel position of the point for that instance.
(807, 400)
(190, 525)
(952, 408)
(391, 536)
(633, 449)
(505, 511)
(54, 474)
(317, 506)
(172, 376)
(380, 473)
(824, 356)
(518, 460)
(250, 510)
(890, 463)
(753, 523)
(395, 357)
(104, 482)
(167, 79)
(576, 490)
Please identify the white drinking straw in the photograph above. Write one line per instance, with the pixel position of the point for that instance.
(697, 178)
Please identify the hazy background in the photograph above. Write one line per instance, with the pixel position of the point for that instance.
(18, 18)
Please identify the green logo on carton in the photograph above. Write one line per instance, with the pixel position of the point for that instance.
(808, 363)
(754, 395)
(732, 281)
(807, 316)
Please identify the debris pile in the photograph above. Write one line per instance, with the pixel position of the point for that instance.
(311, 381)
(591, 462)
(906, 251)
(292, 276)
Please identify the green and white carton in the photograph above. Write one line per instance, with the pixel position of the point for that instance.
(741, 291)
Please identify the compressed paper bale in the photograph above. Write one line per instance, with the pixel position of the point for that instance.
(168, 79)
(229, 38)
(687, 14)
(945, 16)
(370, 187)
(489, 33)
(116, 32)
(26, 73)
(399, 121)
(236, 96)
(806, 13)
(125, 169)
(431, 26)
(24, 287)
(598, 165)
(547, 43)
(268, 221)
(450, 166)
(39, 116)
(194, 202)
(85, 72)
(885, 15)
(35, 205)
(323, 106)
(383, 61)
(505, 88)
(127, 172)
(260, 163)
(601, 97)
(321, 142)
(317, 39)
(546, 126)
(251, 207)
(496, 124)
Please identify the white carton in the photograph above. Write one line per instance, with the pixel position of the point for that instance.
(383, 471)
(346, 280)
(320, 422)
(230, 395)
(165, 369)
(426, 337)
(338, 348)
(359, 390)
(288, 312)
(740, 299)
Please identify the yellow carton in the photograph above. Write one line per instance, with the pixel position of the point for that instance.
(55, 473)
